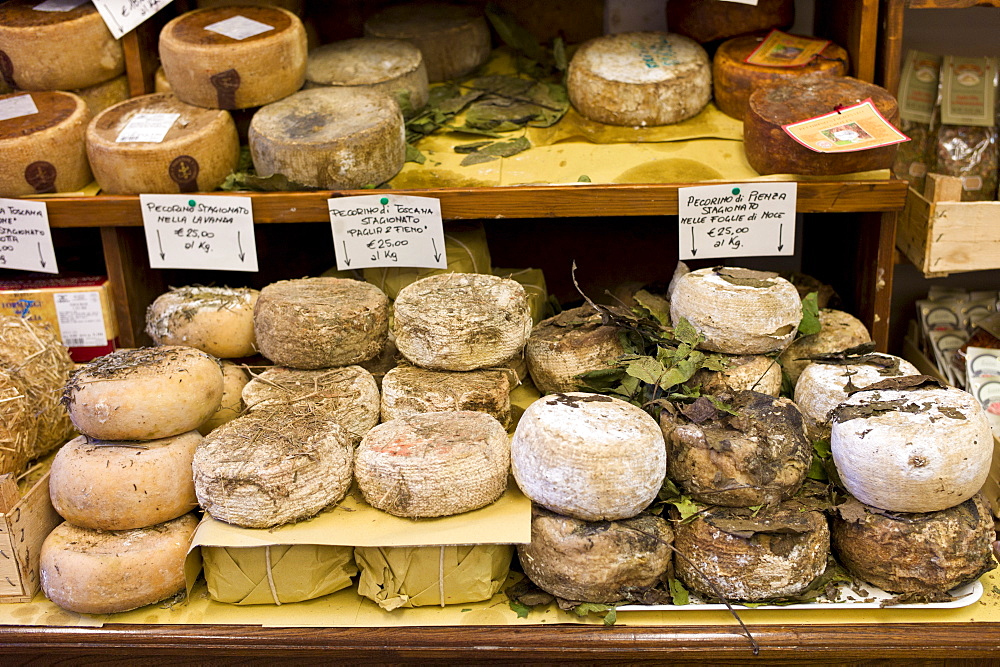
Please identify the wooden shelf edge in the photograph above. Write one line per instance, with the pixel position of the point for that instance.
(950, 4)
(557, 201)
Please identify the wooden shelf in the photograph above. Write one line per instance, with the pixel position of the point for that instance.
(950, 4)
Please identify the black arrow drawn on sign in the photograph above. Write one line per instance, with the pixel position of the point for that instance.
(240, 246)
(40, 258)
(163, 255)
(780, 244)
(693, 251)
(346, 261)
(437, 255)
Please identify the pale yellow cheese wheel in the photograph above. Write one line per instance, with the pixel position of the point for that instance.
(234, 378)
(216, 320)
(160, 83)
(106, 94)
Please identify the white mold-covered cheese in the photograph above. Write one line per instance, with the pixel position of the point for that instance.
(738, 311)
(839, 331)
(113, 485)
(640, 78)
(919, 450)
(331, 138)
(234, 378)
(461, 321)
(588, 456)
(434, 464)
(216, 320)
(573, 342)
(409, 390)
(391, 66)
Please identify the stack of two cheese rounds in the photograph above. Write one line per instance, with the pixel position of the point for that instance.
(125, 486)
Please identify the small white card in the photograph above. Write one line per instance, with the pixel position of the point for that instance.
(742, 2)
(736, 220)
(15, 107)
(387, 230)
(25, 237)
(148, 127)
(81, 319)
(59, 6)
(239, 27)
(122, 16)
(199, 232)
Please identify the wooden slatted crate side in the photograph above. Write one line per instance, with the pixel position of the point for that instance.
(25, 522)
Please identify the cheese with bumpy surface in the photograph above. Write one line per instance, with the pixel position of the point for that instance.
(216, 320)
(571, 343)
(46, 151)
(114, 485)
(409, 390)
(213, 70)
(332, 138)
(42, 50)
(106, 572)
(839, 331)
(391, 66)
(639, 79)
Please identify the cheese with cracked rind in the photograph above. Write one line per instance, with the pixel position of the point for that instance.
(409, 390)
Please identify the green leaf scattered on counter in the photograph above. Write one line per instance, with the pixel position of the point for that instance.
(494, 150)
(584, 179)
(413, 154)
(521, 610)
(605, 611)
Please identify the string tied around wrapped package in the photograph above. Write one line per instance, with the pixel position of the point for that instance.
(270, 576)
(441, 576)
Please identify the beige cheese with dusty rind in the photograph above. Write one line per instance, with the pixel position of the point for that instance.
(391, 66)
(349, 395)
(461, 321)
(453, 39)
(321, 322)
(216, 320)
(273, 466)
(333, 138)
(822, 387)
(839, 331)
(409, 390)
(234, 378)
(104, 95)
(144, 393)
(640, 78)
(45, 151)
(160, 83)
(434, 464)
(571, 343)
(588, 456)
(213, 70)
(114, 485)
(106, 572)
(199, 150)
(748, 372)
(921, 450)
(294, 6)
(42, 50)
(738, 311)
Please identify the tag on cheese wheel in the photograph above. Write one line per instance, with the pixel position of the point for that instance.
(58, 5)
(239, 27)
(15, 107)
(779, 49)
(855, 128)
(151, 127)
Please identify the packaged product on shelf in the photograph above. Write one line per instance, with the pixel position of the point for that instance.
(918, 91)
(983, 379)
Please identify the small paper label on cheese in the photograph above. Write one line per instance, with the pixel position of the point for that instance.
(147, 127)
(59, 6)
(25, 237)
(855, 128)
(81, 319)
(387, 230)
(779, 49)
(15, 107)
(239, 27)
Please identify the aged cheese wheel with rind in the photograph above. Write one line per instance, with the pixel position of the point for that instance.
(216, 320)
(409, 390)
(234, 378)
(751, 372)
(115, 485)
(639, 79)
(709, 20)
(588, 456)
(106, 572)
(569, 344)
(391, 66)
(209, 69)
(332, 138)
(839, 331)
(294, 6)
(45, 152)
(104, 95)
(42, 50)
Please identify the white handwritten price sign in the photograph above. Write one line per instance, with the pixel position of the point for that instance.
(199, 232)
(25, 238)
(736, 220)
(387, 230)
(122, 16)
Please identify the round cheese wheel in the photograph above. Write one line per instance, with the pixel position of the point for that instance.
(263, 62)
(569, 344)
(770, 150)
(199, 150)
(461, 321)
(709, 21)
(919, 450)
(234, 378)
(752, 372)
(216, 320)
(45, 151)
(113, 485)
(321, 322)
(839, 331)
(294, 6)
(639, 78)
(588, 456)
(348, 395)
(160, 83)
(434, 464)
(733, 79)
(273, 466)
(330, 138)
(103, 95)
(144, 393)
(106, 572)
(408, 390)
(738, 311)
(391, 66)
(454, 40)
(42, 50)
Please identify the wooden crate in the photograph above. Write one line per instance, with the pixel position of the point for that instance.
(25, 521)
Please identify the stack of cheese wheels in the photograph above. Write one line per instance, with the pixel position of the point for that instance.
(125, 487)
(330, 137)
(708, 21)
(770, 150)
(639, 79)
(234, 57)
(839, 332)
(733, 79)
(453, 39)
(391, 66)
(157, 143)
(409, 390)
(569, 344)
(43, 143)
(216, 320)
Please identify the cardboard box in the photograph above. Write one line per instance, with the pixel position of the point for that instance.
(77, 309)
(25, 522)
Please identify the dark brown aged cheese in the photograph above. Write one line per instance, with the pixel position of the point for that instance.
(711, 20)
